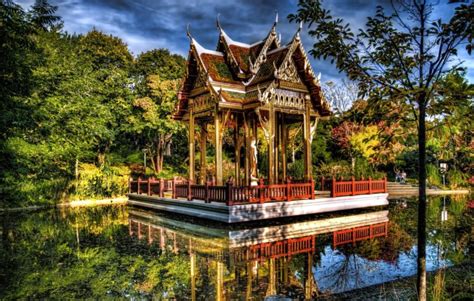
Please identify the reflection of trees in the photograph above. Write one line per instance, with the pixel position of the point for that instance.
(44, 260)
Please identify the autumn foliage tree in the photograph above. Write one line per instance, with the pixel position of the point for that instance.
(398, 57)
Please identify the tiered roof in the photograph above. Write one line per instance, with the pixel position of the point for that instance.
(235, 71)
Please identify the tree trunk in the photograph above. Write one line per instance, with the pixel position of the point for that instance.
(353, 164)
(421, 259)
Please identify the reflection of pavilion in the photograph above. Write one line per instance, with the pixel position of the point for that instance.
(253, 262)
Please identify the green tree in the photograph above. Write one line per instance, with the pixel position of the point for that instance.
(156, 74)
(42, 16)
(401, 56)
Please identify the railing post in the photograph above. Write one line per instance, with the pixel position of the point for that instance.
(385, 184)
(138, 184)
(149, 186)
(261, 190)
(370, 185)
(311, 181)
(353, 185)
(190, 196)
(162, 187)
(229, 193)
(288, 189)
(206, 198)
(173, 188)
(333, 187)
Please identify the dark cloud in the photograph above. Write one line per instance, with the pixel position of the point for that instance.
(148, 24)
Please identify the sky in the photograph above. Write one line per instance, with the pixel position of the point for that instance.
(149, 24)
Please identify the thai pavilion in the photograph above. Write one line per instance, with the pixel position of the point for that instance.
(246, 88)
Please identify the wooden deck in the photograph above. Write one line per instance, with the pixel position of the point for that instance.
(221, 212)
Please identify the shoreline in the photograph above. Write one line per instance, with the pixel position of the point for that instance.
(124, 200)
(430, 192)
(79, 203)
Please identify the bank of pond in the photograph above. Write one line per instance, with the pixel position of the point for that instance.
(124, 252)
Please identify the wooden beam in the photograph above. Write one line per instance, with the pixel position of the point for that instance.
(218, 139)
(271, 145)
(191, 141)
(203, 148)
(248, 153)
(237, 145)
(284, 141)
(277, 141)
(308, 163)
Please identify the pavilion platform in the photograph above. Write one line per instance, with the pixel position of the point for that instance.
(239, 213)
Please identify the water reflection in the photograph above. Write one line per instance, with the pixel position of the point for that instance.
(122, 252)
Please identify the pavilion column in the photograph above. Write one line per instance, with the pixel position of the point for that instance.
(271, 145)
(218, 139)
(203, 153)
(237, 150)
(277, 131)
(191, 141)
(284, 141)
(307, 139)
(248, 153)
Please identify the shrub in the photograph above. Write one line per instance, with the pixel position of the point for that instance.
(457, 179)
(433, 175)
(95, 182)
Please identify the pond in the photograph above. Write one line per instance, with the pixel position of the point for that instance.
(126, 253)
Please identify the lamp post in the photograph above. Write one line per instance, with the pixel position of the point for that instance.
(443, 167)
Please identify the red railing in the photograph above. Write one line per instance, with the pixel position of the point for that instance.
(360, 233)
(353, 186)
(232, 195)
(229, 194)
(152, 186)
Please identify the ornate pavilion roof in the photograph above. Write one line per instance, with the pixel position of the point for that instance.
(236, 73)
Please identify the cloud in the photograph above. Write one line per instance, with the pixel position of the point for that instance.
(149, 24)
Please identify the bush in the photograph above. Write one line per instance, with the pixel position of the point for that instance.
(433, 176)
(296, 169)
(334, 169)
(95, 182)
(457, 179)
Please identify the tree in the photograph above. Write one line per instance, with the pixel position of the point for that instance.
(156, 78)
(42, 16)
(397, 57)
(152, 118)
(340, 96)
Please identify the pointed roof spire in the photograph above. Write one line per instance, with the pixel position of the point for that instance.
(218, 22)
(188, 32)
(297, 33)
(276, 17)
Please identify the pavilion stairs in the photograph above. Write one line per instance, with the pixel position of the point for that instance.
(396, 188)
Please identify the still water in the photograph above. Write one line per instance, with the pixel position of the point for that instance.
(127, 253)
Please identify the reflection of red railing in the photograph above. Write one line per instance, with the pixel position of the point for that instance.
(354, 187)
(228, 194)
(283, 248)
(360, 233)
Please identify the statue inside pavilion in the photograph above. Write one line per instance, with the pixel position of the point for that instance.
(249, 92)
